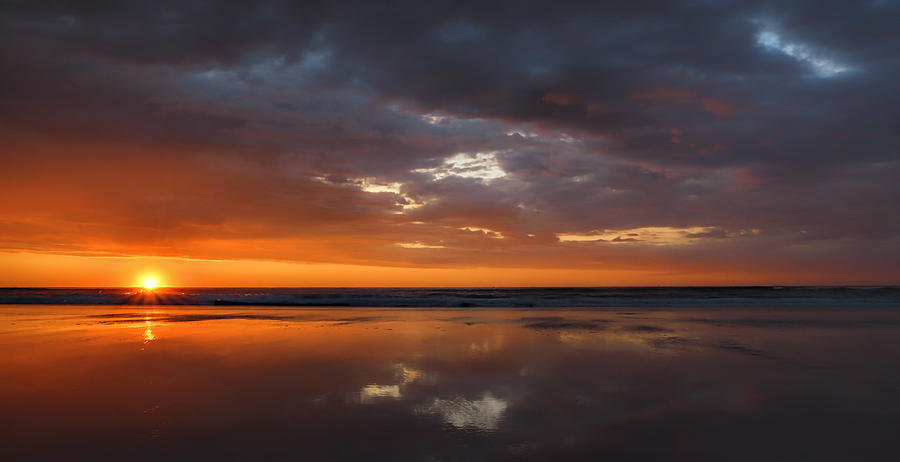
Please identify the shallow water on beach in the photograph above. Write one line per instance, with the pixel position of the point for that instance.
(188, 383)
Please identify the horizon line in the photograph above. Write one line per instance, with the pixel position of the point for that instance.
(460, 287)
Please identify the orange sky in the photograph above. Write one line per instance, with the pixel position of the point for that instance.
(22, 269)
(233, 221)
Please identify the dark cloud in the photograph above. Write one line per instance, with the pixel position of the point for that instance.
(761, 134)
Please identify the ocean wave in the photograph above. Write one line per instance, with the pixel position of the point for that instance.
(470, 297)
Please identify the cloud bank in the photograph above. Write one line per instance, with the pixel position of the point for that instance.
(682, 137)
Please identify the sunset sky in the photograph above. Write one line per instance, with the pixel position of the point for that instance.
(274, 143)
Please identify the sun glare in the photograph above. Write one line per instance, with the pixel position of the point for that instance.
(150, 283)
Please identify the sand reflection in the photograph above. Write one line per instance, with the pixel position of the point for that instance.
(344, 384)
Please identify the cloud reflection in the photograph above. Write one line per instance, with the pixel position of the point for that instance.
(409, 374)
(484, 414)
(373, 392)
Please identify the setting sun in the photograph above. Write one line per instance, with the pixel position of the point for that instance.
(150, 283)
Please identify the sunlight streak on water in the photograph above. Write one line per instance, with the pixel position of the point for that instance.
(148, 329)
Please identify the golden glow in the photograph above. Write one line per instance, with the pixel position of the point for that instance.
(24, 269)
(150, 283)
(148, 329)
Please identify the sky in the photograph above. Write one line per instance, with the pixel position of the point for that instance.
(281, 143)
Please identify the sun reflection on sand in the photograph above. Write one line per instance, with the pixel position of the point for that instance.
(148, 329)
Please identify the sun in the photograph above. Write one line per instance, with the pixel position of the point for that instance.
(150, 283)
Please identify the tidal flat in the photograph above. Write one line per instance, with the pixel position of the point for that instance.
(466, 384)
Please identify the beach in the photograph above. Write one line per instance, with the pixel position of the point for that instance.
(84, 382)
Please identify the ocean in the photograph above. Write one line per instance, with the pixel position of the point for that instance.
(810, 296)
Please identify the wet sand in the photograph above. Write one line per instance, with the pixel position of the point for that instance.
(154, 383)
